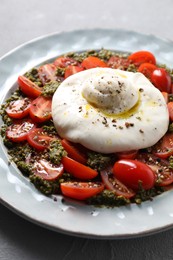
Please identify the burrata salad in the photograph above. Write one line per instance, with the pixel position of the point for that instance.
(94, 126)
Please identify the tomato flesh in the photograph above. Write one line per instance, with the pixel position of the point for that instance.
(28, 87)
(47, 73)
(71, 69)
(81, 190)
(63, 62)
(18, 131)
(38, 139)
(164, 148)
(40, 109)
(78, 170)
(161, 80)
(93, 62)
(47, 170)
(116, 62)
(170, 110)
(132, 173)
(18, 108)
(113, 184)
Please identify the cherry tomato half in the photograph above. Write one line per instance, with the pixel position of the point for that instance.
(113, 184)
(147, 69)
(116, 62)
(46, 170)
(47, 73)
(164, 148)
(170, 109)
(74, 151)
(18, 131)
(166, 97)
(78, 170)
(93, 62)
(131, 172)
(18, 108)
(28, 87)
(127, 155)
(161, 80)
(71, 69)
(160, 167)
(40, 109)
(63, 62)
(38, 139)
(81, 190)
(140, 57)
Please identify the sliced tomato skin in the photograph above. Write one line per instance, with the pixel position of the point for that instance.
(147, 69)
(132, 172)
(81, 190)
(40, 109)
(93, 62)
(78, 170)
(28, 87)
(18, 109)
(161, 80)
(127, 155)
(47, 73)
(142, 56)
(47, 170)
(71, 69)
(18, 131)
(63, 62)
(74, 152)
(113, 184)
(170, 110)
(38, 139)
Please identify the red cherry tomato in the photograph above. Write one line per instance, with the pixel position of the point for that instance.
(75, 151)
(38, 139)
(147, 69)
(78, 170)
(160, 167)
(28, 87)
(71, 69)
(93, 62)
(116, 62)
(18, 131)
(140, 57)
(161, 80)
(46, 170)
(127, 155)
(170, 109)
(81, 190)
(131, 172)
(40, 109)
(113, 184)
(63, 62)
(18, 108)
(164, 148)
(47, 73)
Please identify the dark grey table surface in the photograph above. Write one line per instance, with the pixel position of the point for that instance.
(21, 21)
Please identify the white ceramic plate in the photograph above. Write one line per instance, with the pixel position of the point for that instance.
(18, 194)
